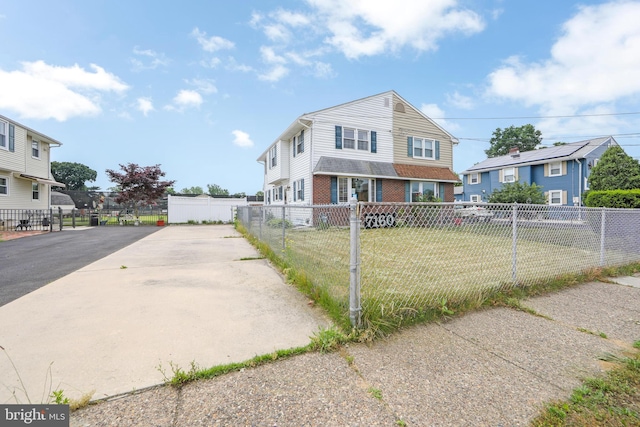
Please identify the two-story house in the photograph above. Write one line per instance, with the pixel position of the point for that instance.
(25, 167)
(562, 171)
(377, 149)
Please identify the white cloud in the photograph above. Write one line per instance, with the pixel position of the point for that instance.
(436, 114)
(205, 86)
(242, 139)
(595, 61)
(185, 99)
(270, 57)
(274, 74)
(211, 63)
(460, 101)
(154, 59)
(232, 65)
(45, 91)
(213, 43)
(145, 105)
(365, 27)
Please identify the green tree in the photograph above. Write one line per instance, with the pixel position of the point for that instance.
(216, 190)
(518, 192)
(73, 175)
(616, 170)
(259, 194)
(139, 185)
(525, 138)
(192, 190)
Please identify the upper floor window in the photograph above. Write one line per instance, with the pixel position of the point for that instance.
(4, 186)
(35, 149)
(298, 144)
(509, 175)
(423, 148)
(356, 139)
(3, 134)
(474, 178)
(555, 169)
(35, 191)
(273, 156)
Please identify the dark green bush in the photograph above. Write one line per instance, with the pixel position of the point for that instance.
(613, 199)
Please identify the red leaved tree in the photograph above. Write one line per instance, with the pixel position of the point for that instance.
(139, 185)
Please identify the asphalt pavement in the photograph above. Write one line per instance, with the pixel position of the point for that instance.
(29, 263)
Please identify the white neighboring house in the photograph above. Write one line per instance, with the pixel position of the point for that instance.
(25, 167)
(377, 149)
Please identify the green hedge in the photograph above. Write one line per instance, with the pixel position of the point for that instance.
(613, 199)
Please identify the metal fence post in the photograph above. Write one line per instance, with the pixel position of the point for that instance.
(73, 218)
(355, 309)
(514, 245)
(602, 236)
(284, 246)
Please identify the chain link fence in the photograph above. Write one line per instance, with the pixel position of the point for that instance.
(389, 260)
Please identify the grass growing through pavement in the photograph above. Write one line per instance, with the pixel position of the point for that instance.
(612, 400)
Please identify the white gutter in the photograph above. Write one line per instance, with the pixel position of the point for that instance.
(310, 160)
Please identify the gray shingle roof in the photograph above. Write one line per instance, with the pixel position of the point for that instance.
(354, 167)
(575, 150)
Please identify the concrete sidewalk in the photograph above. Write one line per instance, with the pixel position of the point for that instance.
(495, 367)
(179, 295)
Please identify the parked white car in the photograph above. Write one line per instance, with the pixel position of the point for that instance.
(473, 212)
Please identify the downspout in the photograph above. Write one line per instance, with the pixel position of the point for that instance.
(310, 161)
(579, 181)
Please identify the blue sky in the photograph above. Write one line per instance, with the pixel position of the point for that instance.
(204, 87)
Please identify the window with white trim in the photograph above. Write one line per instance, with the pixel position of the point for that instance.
(35, 191)
(555, 197)
(298, 190)
(423, 191)
(475, 198)
(423, 148)
(509, 175)
(363, 189)
(35, 149)
(4, 186)
(273, 156)
(3, 134)
(473, 178)
(355, 139)
(277, 194)
(555, 169)
(298, 144)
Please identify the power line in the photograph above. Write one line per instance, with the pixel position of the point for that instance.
(535, 117)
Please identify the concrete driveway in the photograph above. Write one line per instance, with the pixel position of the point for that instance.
(180, 295)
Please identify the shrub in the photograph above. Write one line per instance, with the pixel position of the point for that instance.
(277, 223)
(613, 199)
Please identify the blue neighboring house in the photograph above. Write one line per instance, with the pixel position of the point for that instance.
(562, 171)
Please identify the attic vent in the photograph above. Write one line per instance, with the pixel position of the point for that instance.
(399, 107)
(386, 102)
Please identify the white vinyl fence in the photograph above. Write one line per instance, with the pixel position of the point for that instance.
(202, 209)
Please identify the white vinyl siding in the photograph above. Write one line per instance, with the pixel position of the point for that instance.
(368, 114)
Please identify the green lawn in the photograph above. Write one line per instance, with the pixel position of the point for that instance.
(414, 268)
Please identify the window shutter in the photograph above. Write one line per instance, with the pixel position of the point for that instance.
(410, 146)
(407, 192)
(334, 190)
(500, 175)
(437, 149)
(12, 138)
(441, 191)
(564, 197)
(378, 190)
(302, 141)
(374, 142)
(479, 178)
(294, 143)
(302, 188)
(339, 138)
(294, 191)
(564, 168)
(546, 169)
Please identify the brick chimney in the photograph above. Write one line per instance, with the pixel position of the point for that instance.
(514, 152)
